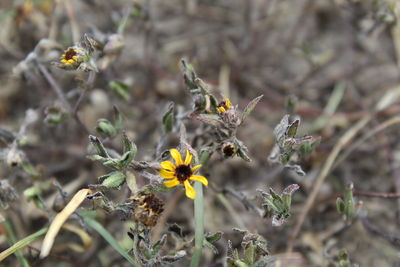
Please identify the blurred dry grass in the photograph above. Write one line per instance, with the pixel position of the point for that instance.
(243, 48)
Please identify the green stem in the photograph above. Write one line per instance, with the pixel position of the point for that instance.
(199, 216)
(12, 240)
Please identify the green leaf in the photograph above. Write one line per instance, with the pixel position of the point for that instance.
(131, 181)
(113, 179)
(124, 161)
(280, 129)
(109, 238)
(30, 169)
(292, 129)
(54, 115)
(249, 255)
(249, 108)
(287, 201)
(32, 192)
(236, 254)
(120, 89)
(242, 153)
(97, 158)
(105, 127)
(189, 75)
(101, 150)
(340, 205)
(213, 237)
(168, 118)
(117, 118)
(129, 146)
(285, 157)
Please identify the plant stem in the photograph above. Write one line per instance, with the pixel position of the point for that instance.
(199, 222)
(199, 216)
(12, 240)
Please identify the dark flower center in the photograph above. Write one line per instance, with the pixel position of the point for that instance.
(228, 150)
(183, 172)
(70, 53)
(222, 104)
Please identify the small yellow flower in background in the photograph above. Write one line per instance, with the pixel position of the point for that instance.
(228, 149)
(224, 106)
(181, 172)
(72, 56)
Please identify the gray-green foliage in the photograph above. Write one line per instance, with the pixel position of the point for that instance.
(288, 145)
(278, 206)
(150, 253)
(255, 252)
(119, 165)
(347, 205)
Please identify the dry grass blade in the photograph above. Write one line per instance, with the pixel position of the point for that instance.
(388, 123)
(85, 237)
(59, 220)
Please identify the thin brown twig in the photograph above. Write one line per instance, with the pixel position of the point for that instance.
(395, 240)
(89, 85)
(60, 94)
(374, 194)
(57, 89)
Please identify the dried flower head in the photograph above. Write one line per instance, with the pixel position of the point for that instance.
(73, 56)
(14, 157)
(148, 209)
(228, 149)
(224, 106)
(181, 172)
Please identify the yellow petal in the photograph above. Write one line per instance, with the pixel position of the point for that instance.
(176, 156)
(221, 109)
(227, 103)
(168, 165)
(166, 174)
(188, 158)
(172, 183)
(199, 178)
(63, 61)
(195, 168)
(190, 193)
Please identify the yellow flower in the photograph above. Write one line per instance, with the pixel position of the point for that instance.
(228, 149)
(224, 106)
(72, 56)
(181, 172)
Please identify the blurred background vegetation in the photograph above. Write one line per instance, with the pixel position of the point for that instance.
(338, 60)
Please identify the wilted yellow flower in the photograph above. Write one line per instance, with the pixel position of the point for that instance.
(224, 106)
(181, 172)
(148, 209)
(72, 56)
